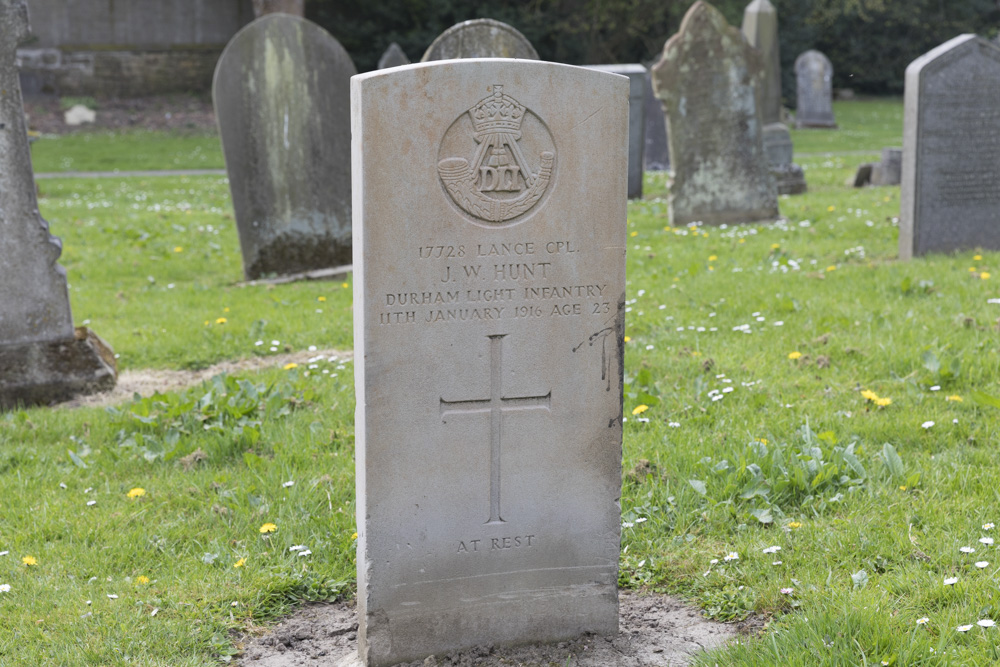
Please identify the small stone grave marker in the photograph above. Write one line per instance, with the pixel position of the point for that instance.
(393, 57)
(489, 300)
(282, 100)
(43, 359)
(480, 38)
(637, 75)
(814, 85)
(890, 170)
(950, 198)
(705, 79)
(789, 179)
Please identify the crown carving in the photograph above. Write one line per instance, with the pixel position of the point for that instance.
(497, 113)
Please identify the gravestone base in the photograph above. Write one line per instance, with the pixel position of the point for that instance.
(293, 253)
(789, 179)
(42, 373)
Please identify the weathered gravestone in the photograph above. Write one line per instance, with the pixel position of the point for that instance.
(890, 170)
(43, 359)
(789, 179)
(760, 27)
(814, 86)
(950, 197)
(655, 155)
(282, 99)
(480, 38)
(489, 264)
(705, 79)
(393, 57)
(636, 121)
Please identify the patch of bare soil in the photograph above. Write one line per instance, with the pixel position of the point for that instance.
(160, 112)
(655, 630)
(147, 382)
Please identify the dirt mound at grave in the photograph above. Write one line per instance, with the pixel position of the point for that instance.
(146, 382)
(655, 630)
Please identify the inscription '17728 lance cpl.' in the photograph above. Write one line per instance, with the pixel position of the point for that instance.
(512, 159)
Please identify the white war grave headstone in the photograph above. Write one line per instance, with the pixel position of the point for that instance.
(282, 100)
(814, 90)
(705, 80)
(43, 359)
(489, 258)
(480, 38)
(950, 188)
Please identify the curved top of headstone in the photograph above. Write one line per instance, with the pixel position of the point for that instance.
(394, 56)
(706, 37)
(811, 58)
(942, 54)
(480, 38)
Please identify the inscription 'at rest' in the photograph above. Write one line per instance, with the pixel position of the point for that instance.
(495, 544)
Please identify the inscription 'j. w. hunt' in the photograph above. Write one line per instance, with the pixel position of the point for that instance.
(497, 404)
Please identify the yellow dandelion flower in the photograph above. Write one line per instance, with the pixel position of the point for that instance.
(290, 365)
(972, 269)
(628, 338)
(29, 561)
(705, 234)
(226, 309)
(902, 488)
(882, 402)
(775, 246)
(831, 268)
(977, 257)
(887, 198)
(742, 241)
(794, 355)
(137, 492)
(221, 320)
(794, 524)
(344, 285)
(712, 258)
(831, 209)
(178, 249)
(870, 395)
(954, 397)
(984, 275)
(142, 579)
(207, 323)
(241, 562)
(634, 234)
(321, 298)
(354, 536)
(762, 441)
(268, 528)
(639, 409)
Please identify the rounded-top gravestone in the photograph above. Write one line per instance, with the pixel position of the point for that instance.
(480, 38)
(282, 100)
(814, 84)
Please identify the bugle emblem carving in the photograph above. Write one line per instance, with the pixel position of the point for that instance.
(503, 180)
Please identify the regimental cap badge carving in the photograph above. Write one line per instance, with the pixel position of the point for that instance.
(502, 182)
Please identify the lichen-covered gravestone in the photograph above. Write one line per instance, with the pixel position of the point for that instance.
(760, 27)
(705, 79)
(480, 38)
(282, 100)
(489, 311)
(655, 155)
(814, 90)
(950, 197)
(637, 75)
(43, 359)
(393, 57)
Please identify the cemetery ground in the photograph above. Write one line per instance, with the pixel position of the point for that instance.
(809, 449)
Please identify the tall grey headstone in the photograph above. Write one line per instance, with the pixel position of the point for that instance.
(814, 90)
(656, 155)
(950, 198)
(637, 75)
(789, 179)
(43, 359)
(760, 27)
(282, 100)
(489, 313)
(705, 79)
(393, 57)
(480, 38)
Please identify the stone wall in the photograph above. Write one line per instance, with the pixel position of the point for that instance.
(127, 47)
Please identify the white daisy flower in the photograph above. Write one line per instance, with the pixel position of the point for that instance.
(967, 550)
(951, 581)
(4, 588)
(982, 564)
(963, 628)
(986, 623)
(988, 541)
(923, 621)
(771, 550)
(927, 424)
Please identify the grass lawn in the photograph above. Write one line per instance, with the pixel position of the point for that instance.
(788, 385)
(127, 151)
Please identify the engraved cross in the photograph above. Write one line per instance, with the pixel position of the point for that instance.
(496, 405)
